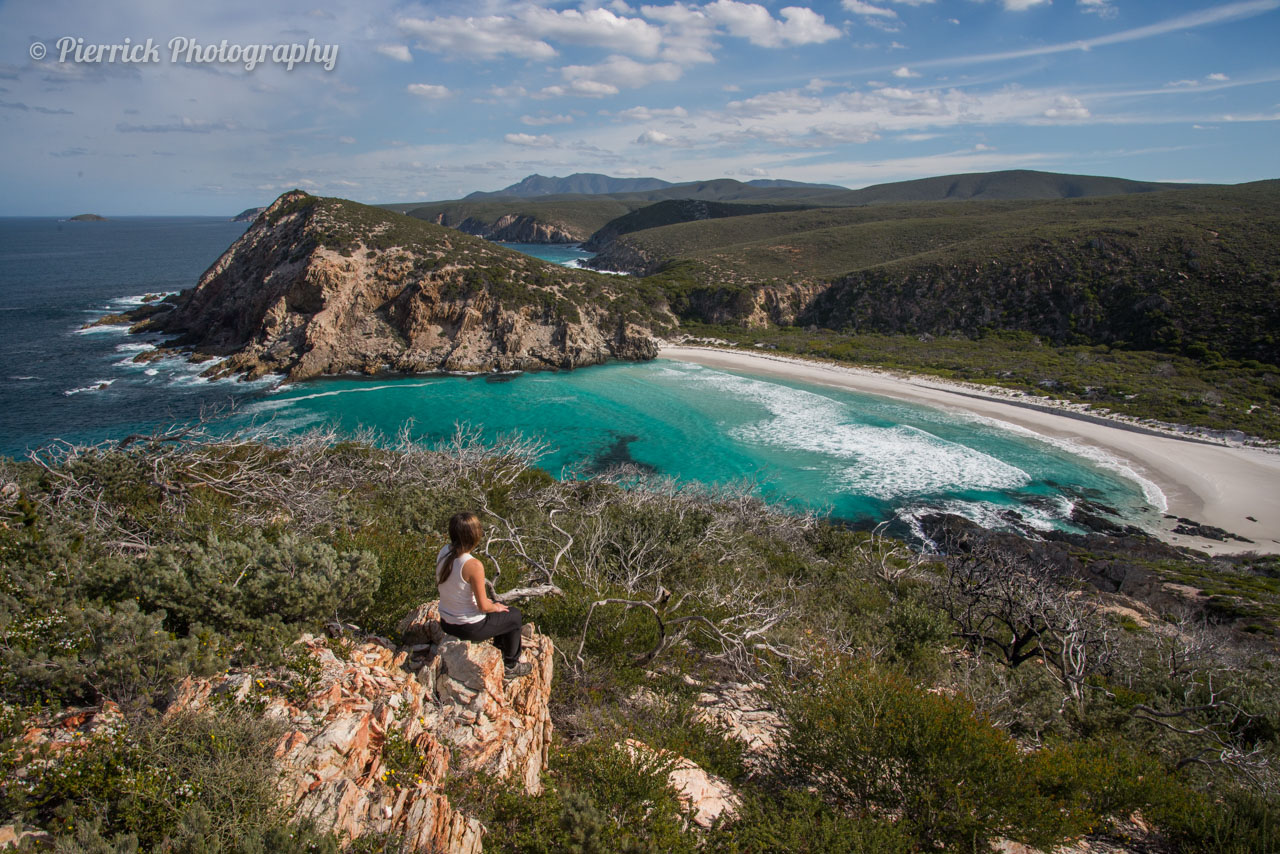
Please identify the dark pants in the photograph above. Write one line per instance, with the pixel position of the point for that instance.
(504, 628)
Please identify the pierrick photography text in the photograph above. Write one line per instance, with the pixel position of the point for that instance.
(185, 50)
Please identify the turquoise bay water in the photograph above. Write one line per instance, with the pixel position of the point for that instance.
(564, 254)
(861, 458)
(858, 457)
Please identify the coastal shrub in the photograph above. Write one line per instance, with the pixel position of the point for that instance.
(190, 783)
(245, 585)
(598, 799)
(89, 653)
(916, 630)
(799, 822)
(1234, 820)
(873, 742)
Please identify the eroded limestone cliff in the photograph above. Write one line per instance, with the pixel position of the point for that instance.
(327, 286)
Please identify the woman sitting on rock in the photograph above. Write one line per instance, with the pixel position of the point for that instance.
(465, 608)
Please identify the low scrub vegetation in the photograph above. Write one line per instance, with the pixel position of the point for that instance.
(904, 723)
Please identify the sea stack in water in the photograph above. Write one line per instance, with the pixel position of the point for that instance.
(328, 286)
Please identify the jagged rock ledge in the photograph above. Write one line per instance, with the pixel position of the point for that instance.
(320, 286)
(444, 696)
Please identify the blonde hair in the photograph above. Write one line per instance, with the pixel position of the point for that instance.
(464, 535)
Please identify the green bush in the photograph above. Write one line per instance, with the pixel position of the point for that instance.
(240, 586)
(799, 822)
(874, 742)
(199, 783)
(85, 654)
(598, 799)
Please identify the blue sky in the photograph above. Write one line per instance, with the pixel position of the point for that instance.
(434, 100)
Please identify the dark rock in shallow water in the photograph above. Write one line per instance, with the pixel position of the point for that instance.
(1191, 528)
(1101, 519)
(618, 455)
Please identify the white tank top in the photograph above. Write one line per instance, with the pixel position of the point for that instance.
(457, 599)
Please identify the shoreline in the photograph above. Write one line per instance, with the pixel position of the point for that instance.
(1213, 483)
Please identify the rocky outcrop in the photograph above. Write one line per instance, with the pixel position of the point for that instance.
(247, 215)
(326, 286)
(756, 306)
(744, 713)
(622, 256)
(445, 697)
(703, 797)
(517, 228)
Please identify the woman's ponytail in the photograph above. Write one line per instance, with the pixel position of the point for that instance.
(464, 535)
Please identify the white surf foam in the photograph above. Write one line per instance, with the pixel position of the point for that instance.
(1151, 493)
(97, 386)
(99, 330)
(881, 462)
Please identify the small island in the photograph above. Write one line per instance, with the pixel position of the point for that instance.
(87, 218)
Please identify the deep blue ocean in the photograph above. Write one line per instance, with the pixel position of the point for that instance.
(858, 457)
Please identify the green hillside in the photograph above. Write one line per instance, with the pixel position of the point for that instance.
(580, 215)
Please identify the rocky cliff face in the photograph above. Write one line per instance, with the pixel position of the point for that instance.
(325, 286)
(516, 228)
(445, 697)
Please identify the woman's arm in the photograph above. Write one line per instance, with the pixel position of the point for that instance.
(473, 574)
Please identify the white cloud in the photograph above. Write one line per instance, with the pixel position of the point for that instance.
(530, 141)
(955, 21)
(528, 31)
(1101, 8)
(913, 2)
(647, 114)
(483, 38)
(751, 21)
(1023, 5)
(615, 73)
(657, 137)
(858, 7)
(347, 140)
(1218, 77)
(593, 27)
(398, 52)
(428, 90)
(1067, 107)
(587, 88)
(1189, 21)
(508, 91)
(542, 121)
(905, 72)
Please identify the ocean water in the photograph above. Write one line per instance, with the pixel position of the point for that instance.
(858, 457)
(564, 254)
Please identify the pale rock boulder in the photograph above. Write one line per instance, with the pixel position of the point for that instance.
(704, 797)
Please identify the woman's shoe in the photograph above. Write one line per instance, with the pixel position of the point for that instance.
(522, 668)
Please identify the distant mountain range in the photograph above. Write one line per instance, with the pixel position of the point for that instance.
(1010, 184)
(595, 184)
(571, 210)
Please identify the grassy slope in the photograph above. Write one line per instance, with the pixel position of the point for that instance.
(830, 241)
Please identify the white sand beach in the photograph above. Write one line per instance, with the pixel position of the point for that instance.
(1228, 486)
